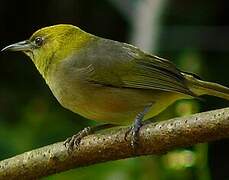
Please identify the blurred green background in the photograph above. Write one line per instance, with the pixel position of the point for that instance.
(193, 34)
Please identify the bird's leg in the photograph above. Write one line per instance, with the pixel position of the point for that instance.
(134, 130)
(74, 141)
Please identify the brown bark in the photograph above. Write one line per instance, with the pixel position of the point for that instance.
(107, 145)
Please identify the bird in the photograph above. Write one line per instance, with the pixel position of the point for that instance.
(108, 81)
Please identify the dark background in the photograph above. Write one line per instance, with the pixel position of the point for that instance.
(193, 34)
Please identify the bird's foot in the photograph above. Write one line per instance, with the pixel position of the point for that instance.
(74, 141)
(133, 131)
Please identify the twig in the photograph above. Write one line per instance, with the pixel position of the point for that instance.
(155, 138)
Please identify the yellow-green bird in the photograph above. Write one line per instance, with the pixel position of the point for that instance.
(106, 80)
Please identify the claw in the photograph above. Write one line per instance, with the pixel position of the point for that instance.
(127, 133)
(134, 135)
(134, 130)
(74, 141)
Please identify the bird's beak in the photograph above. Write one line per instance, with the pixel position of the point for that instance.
(20, 46)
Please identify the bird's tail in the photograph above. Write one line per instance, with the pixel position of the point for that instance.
(200, 87)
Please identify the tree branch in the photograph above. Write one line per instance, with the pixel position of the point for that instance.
(155, 138)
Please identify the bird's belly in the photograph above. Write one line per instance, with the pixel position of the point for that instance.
(101, 103)
(112, 105)
(108, 104)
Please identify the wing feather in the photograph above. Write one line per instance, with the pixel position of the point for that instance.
(123, 65)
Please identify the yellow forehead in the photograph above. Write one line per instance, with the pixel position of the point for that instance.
(56, 30)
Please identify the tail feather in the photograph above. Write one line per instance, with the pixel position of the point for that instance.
(200, 87)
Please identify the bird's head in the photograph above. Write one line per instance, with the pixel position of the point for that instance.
(51, 45)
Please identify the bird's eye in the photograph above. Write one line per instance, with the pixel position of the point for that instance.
(38, 41)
